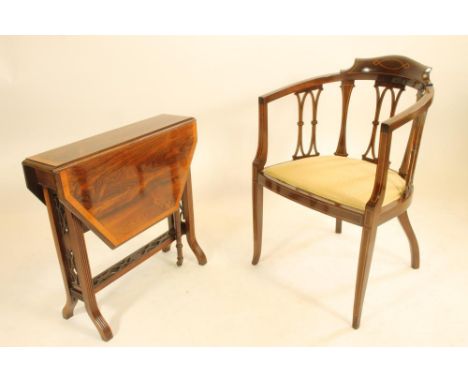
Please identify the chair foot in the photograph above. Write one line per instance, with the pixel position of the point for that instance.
(356, 323)
(166, 249)
(414, 247)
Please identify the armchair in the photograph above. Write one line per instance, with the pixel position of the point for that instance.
(365, 191)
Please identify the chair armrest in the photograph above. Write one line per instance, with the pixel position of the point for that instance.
(412, 112)
(386, 130)
(262, 149)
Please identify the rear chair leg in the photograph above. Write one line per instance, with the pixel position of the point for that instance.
(405, 223)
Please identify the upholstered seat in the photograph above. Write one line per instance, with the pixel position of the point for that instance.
(343, 180)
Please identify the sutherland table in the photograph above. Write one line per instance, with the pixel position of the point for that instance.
(116, 184)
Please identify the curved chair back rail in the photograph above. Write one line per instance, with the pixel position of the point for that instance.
(392, 75)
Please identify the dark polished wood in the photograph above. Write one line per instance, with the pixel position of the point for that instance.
(391, 75)
(114, 189)
(346, 89)
(338, 225)
(414, 247)
(187, 212)
(116, 184)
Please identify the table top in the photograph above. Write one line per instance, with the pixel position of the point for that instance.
(72, 152)
(121, 182)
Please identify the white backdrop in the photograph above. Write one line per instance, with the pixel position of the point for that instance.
(55, 90)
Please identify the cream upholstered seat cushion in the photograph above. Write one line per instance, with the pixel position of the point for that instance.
(342, 180)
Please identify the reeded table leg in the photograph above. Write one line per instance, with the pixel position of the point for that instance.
(188, 214)
(83, 270)
(60, 231)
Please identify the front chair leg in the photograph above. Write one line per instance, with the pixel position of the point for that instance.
(365, 258)
(405, 223)
(257, 197)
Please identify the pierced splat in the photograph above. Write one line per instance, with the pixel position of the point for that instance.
(346, 89)
(301, 98)
(380, 96)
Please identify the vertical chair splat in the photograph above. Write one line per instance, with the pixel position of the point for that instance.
(380, 96)
(346, 89)
(301, 97)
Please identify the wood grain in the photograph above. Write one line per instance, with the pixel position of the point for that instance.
(123, 191)
(94, 145)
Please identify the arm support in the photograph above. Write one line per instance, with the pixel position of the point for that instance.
(412, 112)
(415, 113)
(262, 149)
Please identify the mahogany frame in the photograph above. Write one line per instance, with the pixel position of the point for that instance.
(390, 73)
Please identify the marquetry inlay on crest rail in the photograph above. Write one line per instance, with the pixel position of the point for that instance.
(301, 99)
(380, 91)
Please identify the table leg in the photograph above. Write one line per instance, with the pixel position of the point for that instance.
(170, 223)
(188, 214)
(60, 232)
(79, 253)
(178, 232)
